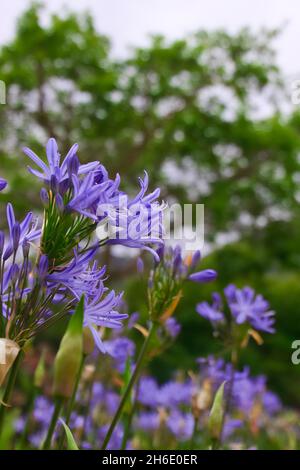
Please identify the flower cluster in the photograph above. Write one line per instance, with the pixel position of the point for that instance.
(245, 307)
(87, 191)
(76, 198)
(166, 411)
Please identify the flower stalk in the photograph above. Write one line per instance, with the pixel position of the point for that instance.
(132, 382)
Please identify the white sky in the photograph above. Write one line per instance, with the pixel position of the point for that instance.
(128, 22)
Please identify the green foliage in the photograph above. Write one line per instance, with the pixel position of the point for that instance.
(172, 107)
(71, 443)
(184, 110)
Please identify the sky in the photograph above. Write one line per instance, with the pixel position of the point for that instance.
(129, 22)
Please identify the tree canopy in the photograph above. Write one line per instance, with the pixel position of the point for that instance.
(189, 105)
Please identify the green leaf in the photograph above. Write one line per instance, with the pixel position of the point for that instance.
(71, 443)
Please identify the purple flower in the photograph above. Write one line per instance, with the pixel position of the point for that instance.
(271, 403)
(43, 410)
(212, 312)
(207, 275)
(85, 194)
(20, 233)
(173, 327)
(172, 394)
(137, 222)
(230, 426)
(120, 349)
(181, 425)
(101, 311)
(148, 421)
(140, 265)
(132, 320)
(3, 184)
(81, 278)
(245, 305)
(19, 424)
(195, 258)
(148, 392)
(59, 171)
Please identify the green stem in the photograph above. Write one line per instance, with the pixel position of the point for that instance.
(195, 430)
(127, 426)
(10, 386)
(54, 419)
(24, 435)
(130, 385)
(234, 361)
(72, 401)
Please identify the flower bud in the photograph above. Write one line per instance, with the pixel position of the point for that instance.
(207, 275)
(44, 197)
(43, 267)
(69, 355)
(216, 415)
(39, 372)
(14, 273)
(3, 184)
(140, 265)
(195, 259)
(26, 248)
(8, 353)
(8, 252)
(59, 202)
(73, 165)
(15, 235)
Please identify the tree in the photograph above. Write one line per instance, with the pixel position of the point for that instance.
(177, 108)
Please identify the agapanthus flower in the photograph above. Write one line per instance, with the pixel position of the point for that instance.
(56, 171)
(271, 402)
(137, 222)
(230, 426)
(173, 327)
(245, 308)
(172, 394)
(121, 349)
(245, 390)
(87, 190)
(148, 392)
(245, 305)
(81, 278)
(181, 424)
(85, 194)
(147, 420)
(212, 312)
(101, 311)
(20, 233)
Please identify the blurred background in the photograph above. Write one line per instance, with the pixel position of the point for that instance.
(199, 94)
